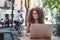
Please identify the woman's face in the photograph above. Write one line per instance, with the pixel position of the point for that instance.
(35, 14)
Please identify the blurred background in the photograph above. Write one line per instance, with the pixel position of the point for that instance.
(12, 10)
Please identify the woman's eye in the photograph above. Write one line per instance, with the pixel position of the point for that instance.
(34, 13)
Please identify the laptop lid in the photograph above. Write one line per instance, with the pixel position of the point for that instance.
(40, 30)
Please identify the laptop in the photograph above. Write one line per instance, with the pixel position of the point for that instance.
(41, 30)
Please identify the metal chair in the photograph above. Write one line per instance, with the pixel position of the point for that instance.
(7, 33)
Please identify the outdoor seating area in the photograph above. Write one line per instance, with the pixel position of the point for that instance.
(29, 19)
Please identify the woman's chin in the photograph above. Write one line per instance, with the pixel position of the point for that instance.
(35, 18)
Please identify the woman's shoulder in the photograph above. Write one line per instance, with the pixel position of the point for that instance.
(28, 22)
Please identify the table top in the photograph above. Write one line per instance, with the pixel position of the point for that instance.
(26, 38)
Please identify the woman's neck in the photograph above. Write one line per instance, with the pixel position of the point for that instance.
(36, 21)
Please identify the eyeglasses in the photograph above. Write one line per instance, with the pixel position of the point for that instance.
(34, 13)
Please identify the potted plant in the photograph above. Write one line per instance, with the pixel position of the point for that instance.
(57, 17)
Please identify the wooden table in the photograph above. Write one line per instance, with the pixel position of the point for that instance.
(26, 38)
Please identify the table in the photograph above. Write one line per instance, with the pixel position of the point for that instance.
(26, 38)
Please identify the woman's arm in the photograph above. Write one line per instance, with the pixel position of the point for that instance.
(28, 27)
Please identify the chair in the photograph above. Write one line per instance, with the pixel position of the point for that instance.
(2, 35)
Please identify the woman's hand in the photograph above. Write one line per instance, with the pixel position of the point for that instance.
(28, 35)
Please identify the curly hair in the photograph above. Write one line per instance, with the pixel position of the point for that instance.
(40, 13)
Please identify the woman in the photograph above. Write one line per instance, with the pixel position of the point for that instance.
(36, 16)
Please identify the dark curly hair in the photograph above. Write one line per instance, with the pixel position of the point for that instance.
(40, 15)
